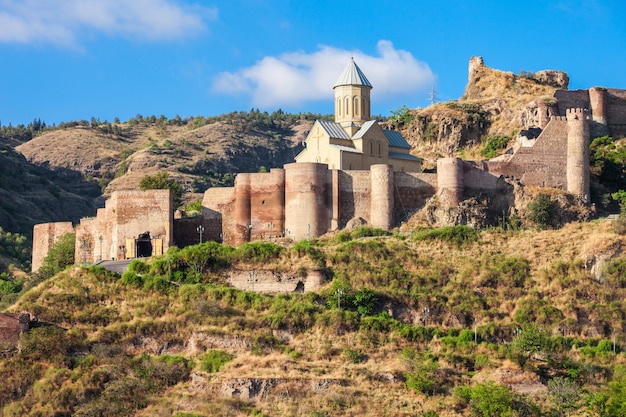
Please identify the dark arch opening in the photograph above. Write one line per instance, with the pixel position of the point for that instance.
(144, 245)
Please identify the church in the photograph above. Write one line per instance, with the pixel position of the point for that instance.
(353, 141)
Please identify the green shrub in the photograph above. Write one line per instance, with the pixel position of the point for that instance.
(257, 252)
(60, 256)
(457, 235)
(138, 267)
(488, 400)
(492, 144)
(365, 300)
(354, 356)
(542, 212)
(131, 278)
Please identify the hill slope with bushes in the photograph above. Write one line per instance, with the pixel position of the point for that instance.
(448, 322)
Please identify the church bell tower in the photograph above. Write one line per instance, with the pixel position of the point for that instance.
(352, 98)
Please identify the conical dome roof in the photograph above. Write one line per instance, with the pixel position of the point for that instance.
(352, 75)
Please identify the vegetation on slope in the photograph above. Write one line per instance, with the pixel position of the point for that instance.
(406, 325)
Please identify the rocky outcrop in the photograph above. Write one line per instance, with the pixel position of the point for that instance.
(256, 389)
(12, 325)
(266, 281)
(557, 79)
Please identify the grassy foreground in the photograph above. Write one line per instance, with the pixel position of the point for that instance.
(445, 322)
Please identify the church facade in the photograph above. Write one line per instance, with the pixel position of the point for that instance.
(353, 141)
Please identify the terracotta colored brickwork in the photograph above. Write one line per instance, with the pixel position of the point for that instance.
(112, 234)
(44, 236)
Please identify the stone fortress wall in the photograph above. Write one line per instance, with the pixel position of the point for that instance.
(306, 199)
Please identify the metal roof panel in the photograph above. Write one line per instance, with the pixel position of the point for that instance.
(396, 139)
(334, 130)
(352, 75)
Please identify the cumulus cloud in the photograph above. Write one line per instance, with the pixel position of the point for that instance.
(298, 77)
(63, 22)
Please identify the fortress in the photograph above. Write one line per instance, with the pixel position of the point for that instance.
(351, 169)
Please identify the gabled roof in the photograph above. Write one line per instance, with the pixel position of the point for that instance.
(334, 130)
(396, 139)
(352, 75)
(363, 130)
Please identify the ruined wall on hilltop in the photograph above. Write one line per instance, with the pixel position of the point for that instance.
(44, 236)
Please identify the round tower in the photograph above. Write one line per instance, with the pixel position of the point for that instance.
(242, 209)
(381, 200)
(598, 102)
(450, 180)
(352, 98)
(306, 212)
(578, 153)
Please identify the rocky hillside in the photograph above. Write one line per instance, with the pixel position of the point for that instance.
(62, 173)
(31, 194)
(495, 103)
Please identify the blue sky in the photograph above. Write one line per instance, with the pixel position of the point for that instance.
(63, 60)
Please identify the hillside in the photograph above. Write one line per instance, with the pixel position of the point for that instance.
(31, 194)
(495, 103)
(399, 342)
(199, 153)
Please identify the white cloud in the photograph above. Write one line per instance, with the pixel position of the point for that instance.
(63, 22)
(298, 77)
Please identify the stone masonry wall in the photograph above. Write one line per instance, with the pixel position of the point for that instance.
(616, 112)
(355, 189)
(542, 165)
(44, 236)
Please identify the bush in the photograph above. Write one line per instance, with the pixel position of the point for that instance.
(542, 212)
(354, 356)
(60, 256)
(214, 360)
(130, 278)
(457, 235)
(162, 181)
(493, 144)
(257, 252)
(488, 400)
(138, 267)
(364, 300)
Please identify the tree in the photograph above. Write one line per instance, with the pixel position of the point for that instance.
(563, 393)
(530, 341)
(162, 181)
(491, 400)
(60, 255)
(611, 401)
(542, 211)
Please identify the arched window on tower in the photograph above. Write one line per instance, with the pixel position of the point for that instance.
(347, 106)
(338, 107)
(357, 108)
